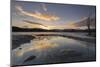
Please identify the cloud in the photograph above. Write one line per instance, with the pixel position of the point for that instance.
(34, 23)
(38, 15)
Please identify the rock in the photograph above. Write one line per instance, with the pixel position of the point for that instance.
(30, 58)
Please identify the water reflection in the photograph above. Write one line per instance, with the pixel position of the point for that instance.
(52, 49)
(39, 44)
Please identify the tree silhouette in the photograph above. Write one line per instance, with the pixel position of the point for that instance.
(88, 26)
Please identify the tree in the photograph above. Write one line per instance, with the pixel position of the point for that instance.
(88, 26)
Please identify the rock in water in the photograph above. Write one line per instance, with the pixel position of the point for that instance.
(30, 58)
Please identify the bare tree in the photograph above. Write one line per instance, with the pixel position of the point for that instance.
(88, 26)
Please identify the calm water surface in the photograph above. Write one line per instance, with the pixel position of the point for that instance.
(53, 49)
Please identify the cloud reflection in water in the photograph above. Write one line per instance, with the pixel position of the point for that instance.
(37, 46)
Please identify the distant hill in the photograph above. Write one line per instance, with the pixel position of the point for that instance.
(17, 29)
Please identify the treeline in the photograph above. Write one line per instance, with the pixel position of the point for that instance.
(17, 29)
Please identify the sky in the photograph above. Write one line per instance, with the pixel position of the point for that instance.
(48, 15)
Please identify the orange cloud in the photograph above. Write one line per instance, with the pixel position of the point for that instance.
(38, 15)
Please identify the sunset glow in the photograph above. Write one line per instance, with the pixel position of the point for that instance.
(48, 16)
(38, 15)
